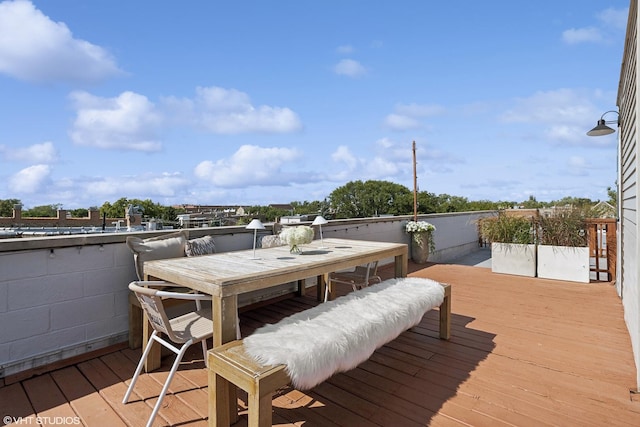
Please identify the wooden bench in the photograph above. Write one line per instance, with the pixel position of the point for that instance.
(230, 365)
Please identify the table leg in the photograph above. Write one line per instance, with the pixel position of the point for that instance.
(445, 314)
(302, 287)
(223, 397)
(402, 265)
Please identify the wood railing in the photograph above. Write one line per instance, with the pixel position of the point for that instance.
(602, 247)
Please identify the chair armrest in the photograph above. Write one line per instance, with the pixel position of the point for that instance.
(152, 283)
(183, 296)
(146, 287)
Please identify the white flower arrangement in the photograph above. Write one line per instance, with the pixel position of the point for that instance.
(419, 227)
(294, 236)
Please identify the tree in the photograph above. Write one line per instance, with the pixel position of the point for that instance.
(358, 199)
(44, 211)
(613, 195)
(6, 207)
(80, 213)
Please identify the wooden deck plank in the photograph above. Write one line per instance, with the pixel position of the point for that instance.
(112, 390)
(15, 404)
(84, 399)
(523, 352)
(48, 401)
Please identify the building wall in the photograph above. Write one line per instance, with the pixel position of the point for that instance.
(61, 220)
(628, 161)
(66, 295)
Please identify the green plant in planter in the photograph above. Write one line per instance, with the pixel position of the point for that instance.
(564, 228)
(505, 228)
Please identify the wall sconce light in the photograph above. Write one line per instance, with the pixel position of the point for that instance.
(319, 220)
(602, 128)
(52, 253)
(255, 225)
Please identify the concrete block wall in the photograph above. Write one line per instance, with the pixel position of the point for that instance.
(57, 303)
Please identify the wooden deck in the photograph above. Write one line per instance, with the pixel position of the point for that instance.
(523, 352)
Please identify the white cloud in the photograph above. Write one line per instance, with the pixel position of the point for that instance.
(614, 18)
(349, 68)
(34, 48)
(344, 155)
(582, 35)
(37, 153)
(229, 111)
(407, 116)
(127, 122)
(250, 165)
(345, 49)
(401, 122)
(29, 180)
(609, 21)
(578, 166)
(419, 110)
(562, 115)
(139, 186)
(384, 165)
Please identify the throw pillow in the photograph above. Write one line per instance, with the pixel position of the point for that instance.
(200, 246)
(270, 241)
(162, 247)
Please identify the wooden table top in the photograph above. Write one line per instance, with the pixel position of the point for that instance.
(232, 273)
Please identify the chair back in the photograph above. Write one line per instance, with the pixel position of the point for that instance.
(367, 271)
(153, 306)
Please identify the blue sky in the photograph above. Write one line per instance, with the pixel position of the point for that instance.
(255, 102)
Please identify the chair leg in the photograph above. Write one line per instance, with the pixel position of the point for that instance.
(326, 290)
(174, 368)
(204, 352)
(139, 368)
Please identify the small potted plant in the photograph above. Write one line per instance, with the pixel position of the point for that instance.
(422, 243)
(563, 246)
(513, 249)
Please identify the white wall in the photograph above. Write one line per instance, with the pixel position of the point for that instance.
(628, 170)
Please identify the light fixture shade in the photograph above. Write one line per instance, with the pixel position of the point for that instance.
(601, 129)
(319, 221)
(255, 224)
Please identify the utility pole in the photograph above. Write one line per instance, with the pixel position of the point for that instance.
(415, 185)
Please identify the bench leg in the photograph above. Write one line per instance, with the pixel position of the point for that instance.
(445, 314)
(260, 410)
(219, 406)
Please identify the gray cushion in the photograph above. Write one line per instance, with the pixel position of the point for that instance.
(200, 246)
(270, 241)
(161, 247)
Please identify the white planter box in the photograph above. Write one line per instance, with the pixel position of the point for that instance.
(563, 263)
(513, 258)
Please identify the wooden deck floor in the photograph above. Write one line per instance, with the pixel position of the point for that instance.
(523, 352)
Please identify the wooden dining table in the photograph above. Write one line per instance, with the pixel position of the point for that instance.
(226, 275)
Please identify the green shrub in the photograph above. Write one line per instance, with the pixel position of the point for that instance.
(507, 229)
(564, 228)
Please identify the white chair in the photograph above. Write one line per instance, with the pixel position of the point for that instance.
(187, 329)
(362, 276)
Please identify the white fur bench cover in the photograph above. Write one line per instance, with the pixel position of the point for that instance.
(338, 335)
